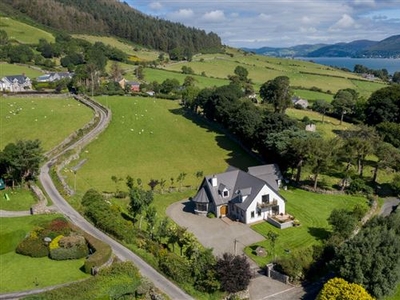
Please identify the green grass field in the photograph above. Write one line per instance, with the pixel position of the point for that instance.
(7, 69)
(151, 138)
(20, 199)
(50, 120)
(312, 210)
(22, 272)
(23, 32)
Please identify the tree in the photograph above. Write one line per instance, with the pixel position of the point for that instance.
(323, 154)
(322, 107)
(388, 157)
(343, 223)
(272, 236)
(242, 73)
(339, 289)
(22, 159)
(383, 106)
(233, 271)
(169, 85)
(139, 200)
(116, 71)
(343, 103)
(371, 258)
(3, 38)
(277, 92)
(180, 179)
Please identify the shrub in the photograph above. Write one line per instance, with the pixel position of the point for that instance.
(340, 289)
(70, 247)
(359, 186)
(34, 247)
(175, 267)
(211, 215)
(296, 265)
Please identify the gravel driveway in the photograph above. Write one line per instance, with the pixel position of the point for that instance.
(219, 234)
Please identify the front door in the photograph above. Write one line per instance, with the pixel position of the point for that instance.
(223, 211)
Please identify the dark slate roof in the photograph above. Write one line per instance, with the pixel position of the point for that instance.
(201, 196)
(20, 78)
(269, 173)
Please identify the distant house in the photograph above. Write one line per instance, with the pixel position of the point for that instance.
(133, 85)
(300, 103)
(248, 197)
(52, 77)
(16, 83)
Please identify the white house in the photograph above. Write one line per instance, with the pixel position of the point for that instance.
(248, 197)
(54, 76)
(16, 83)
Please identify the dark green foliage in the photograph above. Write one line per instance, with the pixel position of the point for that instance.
(395, 185)
(344, 102)
(372, 258)
(105, 217)
(33, 246)
(384, 106)
(21, 160)
(296, 265)
(234, 273)
(343, 222)
(277, 92)
(358, 185)
(203, 271)
(139, 200)
(395, 77)
(175, 267)
(389, 132)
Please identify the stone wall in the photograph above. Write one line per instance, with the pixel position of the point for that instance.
(270, 272)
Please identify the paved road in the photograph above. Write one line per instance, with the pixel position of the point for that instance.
(120, 251)
(389, 205)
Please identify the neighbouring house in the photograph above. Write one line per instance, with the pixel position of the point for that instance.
(247, 197)
(54, 76)
(133, 85)
(299, 102)
(16, 83)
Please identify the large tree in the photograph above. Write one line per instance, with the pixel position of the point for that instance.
(339, 289)
(139, 200)
(383, 106)
(343, 103)
(22, 159)
(277, 92)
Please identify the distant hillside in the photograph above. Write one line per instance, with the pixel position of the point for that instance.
(389, 47)
(300, 50)
(111, 17)
(343, 49)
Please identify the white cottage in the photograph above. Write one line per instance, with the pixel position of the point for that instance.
(247, 197)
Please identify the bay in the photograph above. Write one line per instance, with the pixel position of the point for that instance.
(390, 64)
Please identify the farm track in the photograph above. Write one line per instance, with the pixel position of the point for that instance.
(65, 208)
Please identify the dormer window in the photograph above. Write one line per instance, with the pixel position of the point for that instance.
(225, 193)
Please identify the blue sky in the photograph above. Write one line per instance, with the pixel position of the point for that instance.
(281, 23)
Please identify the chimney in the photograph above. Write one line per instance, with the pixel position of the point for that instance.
(214, 181)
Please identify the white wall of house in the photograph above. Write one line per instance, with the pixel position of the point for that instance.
(252, 209)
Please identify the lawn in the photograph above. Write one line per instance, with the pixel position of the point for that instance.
(20, 199)
(31, 273)
(23, 32)
(153, 139)
(50, 120)
(160, 75)
(7, 69)
(312, 210)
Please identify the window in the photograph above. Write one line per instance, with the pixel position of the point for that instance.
(259, 212)
(265, 199)
(252, 214)
(202, 206)
(225, 193)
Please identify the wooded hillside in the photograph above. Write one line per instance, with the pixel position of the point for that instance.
(110, 17)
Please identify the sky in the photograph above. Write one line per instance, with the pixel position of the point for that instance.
(281, 23)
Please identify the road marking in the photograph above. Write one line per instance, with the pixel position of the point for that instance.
(276, 294)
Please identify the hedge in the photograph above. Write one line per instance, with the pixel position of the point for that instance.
(102, 251)
(70, 247)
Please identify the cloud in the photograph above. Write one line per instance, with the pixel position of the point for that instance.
(214, 16)
(182, 14)
(345, 22)
(155, 6)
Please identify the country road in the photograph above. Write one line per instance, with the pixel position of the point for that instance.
(119, 250)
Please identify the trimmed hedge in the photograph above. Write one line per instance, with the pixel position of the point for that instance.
(33, 246)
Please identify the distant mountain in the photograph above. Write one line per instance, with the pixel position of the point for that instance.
(343, 49)
(300, 50)
(389, 47)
